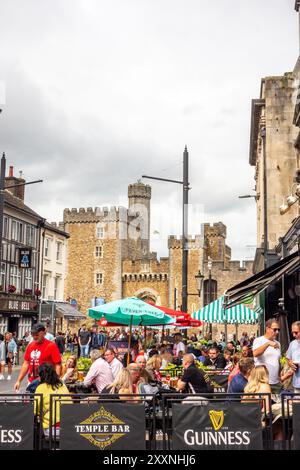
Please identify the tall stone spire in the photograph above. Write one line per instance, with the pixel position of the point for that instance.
(139, 197)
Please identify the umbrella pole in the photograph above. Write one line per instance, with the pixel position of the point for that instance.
(145, 337)
(163, 333)
(129, 342)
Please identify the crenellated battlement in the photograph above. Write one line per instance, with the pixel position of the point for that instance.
(217, 229)
(95, 215)
(194, 243)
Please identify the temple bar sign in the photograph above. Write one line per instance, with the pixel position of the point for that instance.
(24, 258)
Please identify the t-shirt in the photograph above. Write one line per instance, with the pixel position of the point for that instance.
(194, 378)
(238, 384)
(293, 353)
(47, 390)
(41, 353)
(270, 359)
(84, 337)
(178, 347)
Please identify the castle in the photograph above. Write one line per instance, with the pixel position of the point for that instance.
(109, 257)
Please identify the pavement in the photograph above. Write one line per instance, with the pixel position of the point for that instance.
(7, 386)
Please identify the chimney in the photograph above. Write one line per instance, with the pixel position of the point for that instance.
(11, 180)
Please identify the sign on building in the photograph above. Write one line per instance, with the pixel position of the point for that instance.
(25, 258)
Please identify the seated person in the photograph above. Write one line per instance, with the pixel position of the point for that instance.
(228, 358)
(69, 370)
(203, 354)
(100, 373)
(122, 385)
(50, 384)
(153, 367)
(193, 378)
(214, 359)
(178, 360)
(239, 381)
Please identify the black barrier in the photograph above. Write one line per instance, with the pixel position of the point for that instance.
(20, 420)
(103, 422)
(204, 421)
(290, 420)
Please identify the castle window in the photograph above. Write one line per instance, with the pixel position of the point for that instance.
(100, 231)
(210, 296)
(99, 278)
(99, 252)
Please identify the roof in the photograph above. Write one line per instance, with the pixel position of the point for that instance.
(18, 204)
(255, 116)
(66, 309)
(56, 230)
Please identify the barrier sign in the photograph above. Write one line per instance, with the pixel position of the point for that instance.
(105, 426)
(16, 426)
(217, 426)
(296, 425)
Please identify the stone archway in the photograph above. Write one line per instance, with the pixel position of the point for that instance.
(148, 295)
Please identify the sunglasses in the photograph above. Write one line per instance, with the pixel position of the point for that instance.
(275, 329)
(295, 332)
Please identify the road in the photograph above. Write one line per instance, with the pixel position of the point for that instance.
(7, 386)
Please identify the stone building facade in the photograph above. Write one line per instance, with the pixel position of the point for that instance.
(109, 256)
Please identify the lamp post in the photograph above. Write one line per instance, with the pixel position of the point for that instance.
(199, 280)
(186, 187)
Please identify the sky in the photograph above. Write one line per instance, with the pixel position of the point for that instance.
(97, 93)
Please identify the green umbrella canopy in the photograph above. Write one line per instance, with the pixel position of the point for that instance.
(130, 311)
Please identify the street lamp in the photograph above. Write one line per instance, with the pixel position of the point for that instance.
(199, 280)
(186, 187)
(209, 266)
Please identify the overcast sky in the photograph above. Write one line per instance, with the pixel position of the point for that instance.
(98, 93)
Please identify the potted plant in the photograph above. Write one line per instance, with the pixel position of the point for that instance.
(37, 292)
(11, 289)
(28, 291)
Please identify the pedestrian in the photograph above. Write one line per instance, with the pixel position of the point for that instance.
(178, 344)
(60, 342)
(97, 339)
(84, 339)
(2, 356)
(38, 352)
(10, 353)
(293, 356)
(266, 351)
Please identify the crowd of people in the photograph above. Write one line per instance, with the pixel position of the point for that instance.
(253, 365)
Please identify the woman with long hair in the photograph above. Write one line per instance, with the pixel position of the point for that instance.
(153, 366)
(234, 370)
(69, 370)
(259, 383)
(50, 385)
(122, 385)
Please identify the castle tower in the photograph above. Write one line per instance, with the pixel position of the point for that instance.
(139, 196)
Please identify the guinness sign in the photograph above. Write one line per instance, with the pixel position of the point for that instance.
(217, 426)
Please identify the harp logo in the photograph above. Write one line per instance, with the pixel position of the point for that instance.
(217, 419)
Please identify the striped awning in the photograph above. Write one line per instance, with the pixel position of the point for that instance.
(215, 313)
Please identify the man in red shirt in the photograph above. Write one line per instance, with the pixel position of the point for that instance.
(39, 351)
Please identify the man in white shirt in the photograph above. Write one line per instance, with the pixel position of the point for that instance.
(114, 363)
(293, 356)
(266, 351)
(100, 373)
(178, 345)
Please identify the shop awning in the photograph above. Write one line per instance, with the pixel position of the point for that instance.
(68, 311)
(245, 291)
(215, 313)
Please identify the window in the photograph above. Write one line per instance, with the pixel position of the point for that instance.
(5, 227)
(17, 231)
(99, 278)
(47, 247)
(100, 231)
(210, 296)
(99, 252)
(58, 251)
(3, 275)
(45, 285)
(15, 277)
(28, 279)
(30, 235)
(56, 287)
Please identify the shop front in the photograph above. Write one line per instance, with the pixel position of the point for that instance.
(17, 314)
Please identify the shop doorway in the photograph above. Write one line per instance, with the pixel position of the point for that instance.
(13, 325)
